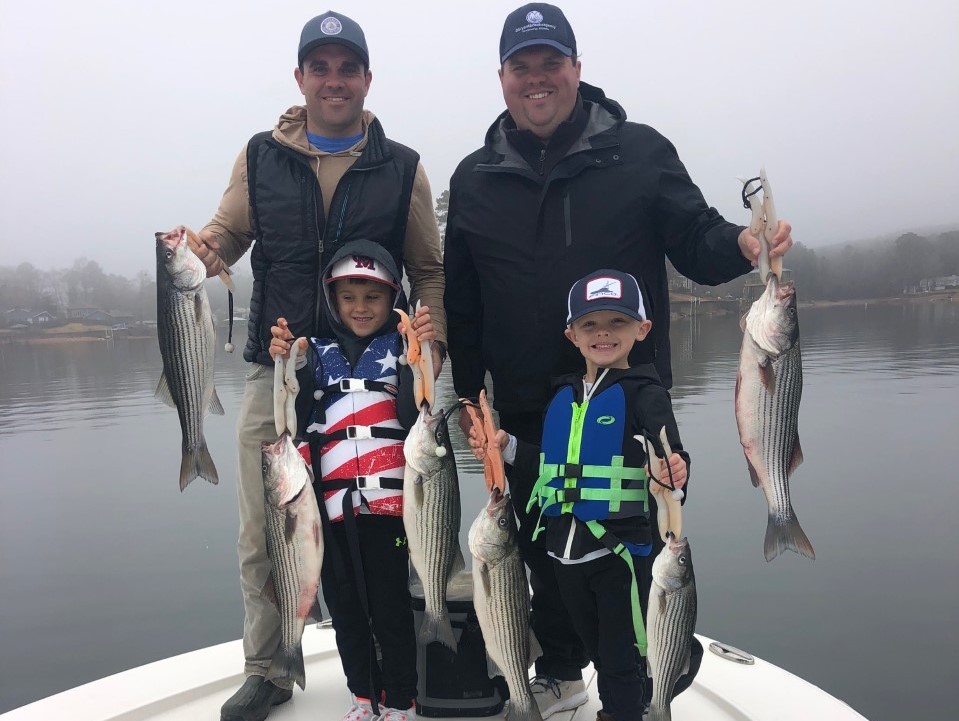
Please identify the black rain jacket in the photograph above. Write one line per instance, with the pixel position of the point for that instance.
(516, 241)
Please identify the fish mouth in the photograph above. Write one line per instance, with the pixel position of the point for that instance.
(497, 499)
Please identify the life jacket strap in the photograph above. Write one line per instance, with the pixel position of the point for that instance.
(617, 547)
(358, 433)
(359, 385)
(363, 483)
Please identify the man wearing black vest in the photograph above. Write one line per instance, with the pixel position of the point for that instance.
(324, 176)
(564, 185)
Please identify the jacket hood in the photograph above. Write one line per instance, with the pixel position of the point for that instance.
(604, 115)
(377, 252)
(639, 375)
(290, 131)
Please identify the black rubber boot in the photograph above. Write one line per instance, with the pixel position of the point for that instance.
(254, 700)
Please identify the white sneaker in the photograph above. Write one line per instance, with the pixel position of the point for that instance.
(361, 710)
(394, 714)
(553, 695)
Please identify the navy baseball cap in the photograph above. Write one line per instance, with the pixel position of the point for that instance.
(331, 27)
(605, 290)
(536, 24)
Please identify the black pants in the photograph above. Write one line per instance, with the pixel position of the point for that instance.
(597, 594)
(385, 558)
(563, 654)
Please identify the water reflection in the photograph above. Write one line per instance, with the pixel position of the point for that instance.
(98, 546)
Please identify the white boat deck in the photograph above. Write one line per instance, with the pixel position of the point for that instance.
(193, 686)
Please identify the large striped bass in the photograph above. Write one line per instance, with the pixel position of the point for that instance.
(768, 390)
(670, 622)
(431, 517)
(294, 543)
(187, 338)
(501, 601)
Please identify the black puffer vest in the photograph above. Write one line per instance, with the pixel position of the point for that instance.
(293, 238)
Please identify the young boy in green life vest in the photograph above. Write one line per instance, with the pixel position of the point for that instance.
(596, 511)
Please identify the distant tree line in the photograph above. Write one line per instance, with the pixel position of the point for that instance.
(869, 269)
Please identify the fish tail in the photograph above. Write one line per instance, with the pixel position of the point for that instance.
(788, 536)
(523, 710)
(288, 663)
(437, 628)
(659, 713)
(199, 463)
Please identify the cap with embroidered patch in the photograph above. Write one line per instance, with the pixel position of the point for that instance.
(360, 266)
(605, 290)
(536, 24)
(331, 27)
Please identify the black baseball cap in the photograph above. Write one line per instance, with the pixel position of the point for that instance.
(536, 24)
(605, 290)
(331, 27)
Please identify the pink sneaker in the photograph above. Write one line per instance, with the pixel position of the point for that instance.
(361, 710)
(392, 714)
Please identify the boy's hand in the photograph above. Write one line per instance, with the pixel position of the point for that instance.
(423, 327)
(677, 466)
(280, 344)
(476, 445)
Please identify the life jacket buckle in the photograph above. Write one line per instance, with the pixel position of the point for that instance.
(359, 433)
(352, 385)
(573, 470)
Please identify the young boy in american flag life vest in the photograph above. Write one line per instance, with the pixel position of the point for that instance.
(356, 405)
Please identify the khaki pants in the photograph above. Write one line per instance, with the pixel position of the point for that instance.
(261, 625)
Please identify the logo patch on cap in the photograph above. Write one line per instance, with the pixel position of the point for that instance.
(331, 26)
(534, 17)
(364, 262)
(604, 288)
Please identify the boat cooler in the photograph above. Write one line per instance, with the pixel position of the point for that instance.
(448, 684)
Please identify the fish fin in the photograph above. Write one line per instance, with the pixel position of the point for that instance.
(788, 536)
(288, 663)
(492, 670)
(753, 475)
(269, 591)
(535, 650)
(215, 406)
(437, 628)
(316, 611)
(796, 458)
(767, 376)
(742, 322)
(198, 308)
(459, 564)
(289, 525)
(163, 391)
(197, 464)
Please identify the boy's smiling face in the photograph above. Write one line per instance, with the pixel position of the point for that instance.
(363, 305)
(605, 338)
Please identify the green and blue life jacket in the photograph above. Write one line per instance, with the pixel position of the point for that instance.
(582, 472)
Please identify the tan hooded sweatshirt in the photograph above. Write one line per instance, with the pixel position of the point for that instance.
(232, 226)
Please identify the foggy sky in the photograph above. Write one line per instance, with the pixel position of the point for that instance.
(119, 119)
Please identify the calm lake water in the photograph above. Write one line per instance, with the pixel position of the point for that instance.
(105, 565)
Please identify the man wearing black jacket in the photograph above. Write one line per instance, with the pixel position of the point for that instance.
(562, 186)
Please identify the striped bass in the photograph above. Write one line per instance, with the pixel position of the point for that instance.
(670, 622)
(501, 601)
(768, 390)
(187, 338)
(294, 543)
(431, 517)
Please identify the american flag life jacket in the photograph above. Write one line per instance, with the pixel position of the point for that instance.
(355, 424)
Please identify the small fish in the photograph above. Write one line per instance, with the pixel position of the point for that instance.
(768, 389)
(431, 517)
(501, 601)
(187, 339)
(294, 542)
(670, 622)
